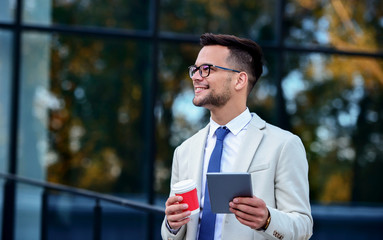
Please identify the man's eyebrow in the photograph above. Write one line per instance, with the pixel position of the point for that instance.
(204, 64)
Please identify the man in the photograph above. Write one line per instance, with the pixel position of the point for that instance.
(226, 70)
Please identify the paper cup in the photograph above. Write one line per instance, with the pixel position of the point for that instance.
(187, 189)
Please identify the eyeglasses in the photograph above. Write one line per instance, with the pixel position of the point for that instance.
(204, 70)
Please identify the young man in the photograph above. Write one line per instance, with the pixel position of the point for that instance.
(226, 70)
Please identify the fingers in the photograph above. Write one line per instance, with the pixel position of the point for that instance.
(253, 205)
(173, 200)
(175, 222)
(251, 201)
(176, 212)
(251, 212)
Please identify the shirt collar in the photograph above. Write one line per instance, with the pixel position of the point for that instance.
(235, 125)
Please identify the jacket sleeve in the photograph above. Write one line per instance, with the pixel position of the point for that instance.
(165, 233)
(291, 219)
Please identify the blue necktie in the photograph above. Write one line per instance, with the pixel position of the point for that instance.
(207, 225)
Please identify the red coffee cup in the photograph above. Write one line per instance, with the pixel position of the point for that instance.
(187, 189)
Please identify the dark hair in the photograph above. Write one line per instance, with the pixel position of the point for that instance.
(244, 53)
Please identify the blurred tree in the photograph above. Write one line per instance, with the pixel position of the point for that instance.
(252, 19)
(97, 134)
(102, 13)
(337, 110)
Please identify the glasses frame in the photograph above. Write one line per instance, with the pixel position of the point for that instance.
(192, 72)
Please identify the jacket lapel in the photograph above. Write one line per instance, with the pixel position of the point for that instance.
(251, 142)
(195, 162)
(196, 157)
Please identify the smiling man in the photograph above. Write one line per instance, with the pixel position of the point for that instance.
(225, 72)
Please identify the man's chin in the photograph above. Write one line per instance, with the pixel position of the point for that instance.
(204, 103)
(197, 104)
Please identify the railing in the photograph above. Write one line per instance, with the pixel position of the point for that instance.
(9, 195)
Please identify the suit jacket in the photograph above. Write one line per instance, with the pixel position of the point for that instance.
(277, 162)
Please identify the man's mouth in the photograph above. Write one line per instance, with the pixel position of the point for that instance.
(200, 89)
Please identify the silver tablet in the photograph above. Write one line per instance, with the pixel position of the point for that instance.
(223, 187)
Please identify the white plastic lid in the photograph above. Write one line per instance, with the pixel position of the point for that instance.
(184, 186)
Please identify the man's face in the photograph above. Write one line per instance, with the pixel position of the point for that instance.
(214, 90)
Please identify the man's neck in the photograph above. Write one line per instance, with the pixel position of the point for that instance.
(225, 114)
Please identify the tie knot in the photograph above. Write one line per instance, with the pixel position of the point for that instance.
(221, 133)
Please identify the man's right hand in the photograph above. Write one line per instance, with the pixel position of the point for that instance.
(176, 213)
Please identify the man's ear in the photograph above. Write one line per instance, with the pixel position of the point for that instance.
(241, 81)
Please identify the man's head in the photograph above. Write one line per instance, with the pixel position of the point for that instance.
(224, 73)
(245, 55)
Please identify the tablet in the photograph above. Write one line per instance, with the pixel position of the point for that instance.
(223, 187)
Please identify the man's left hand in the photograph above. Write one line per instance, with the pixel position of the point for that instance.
(251, 212)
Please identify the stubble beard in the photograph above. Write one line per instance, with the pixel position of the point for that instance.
(214, 99)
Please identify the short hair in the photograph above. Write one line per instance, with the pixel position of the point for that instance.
(244, 53)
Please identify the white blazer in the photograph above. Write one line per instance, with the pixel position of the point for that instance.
(277, 162)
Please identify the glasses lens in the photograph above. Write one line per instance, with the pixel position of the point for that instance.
(192, 70)
(204, 70)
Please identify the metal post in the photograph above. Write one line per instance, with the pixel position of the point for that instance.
(44, 214)
(8, 210)
(97, 222)
(8, 224)
(150, 124)
(282, 118)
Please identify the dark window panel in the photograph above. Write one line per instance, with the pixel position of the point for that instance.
(100, 13)
(255, 19)
(90, 108)
(335, 106)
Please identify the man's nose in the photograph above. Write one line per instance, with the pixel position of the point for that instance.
(196, 76)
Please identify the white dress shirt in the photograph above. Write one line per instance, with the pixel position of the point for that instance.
(231, 145)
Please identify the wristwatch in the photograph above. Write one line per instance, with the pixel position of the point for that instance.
(267, 221)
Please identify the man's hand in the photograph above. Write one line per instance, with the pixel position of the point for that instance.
(175, 212)
(251, 212)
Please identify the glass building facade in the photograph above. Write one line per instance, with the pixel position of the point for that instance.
(96, 94)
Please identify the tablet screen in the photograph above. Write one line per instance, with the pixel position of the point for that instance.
(223, 187)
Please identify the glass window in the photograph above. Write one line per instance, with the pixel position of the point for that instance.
(262, 99)
(28, 212)
(6, 59)
(69, 217)
(82, 111)
(72, 217)
(176, 116)
(334, 104)
(34, 105)
(255, 19)
(126, 223)
(103, 13)
(6, 46)
(344, 25)
(85, 100)
(37, 12)
(7, 10)
(32, 132)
